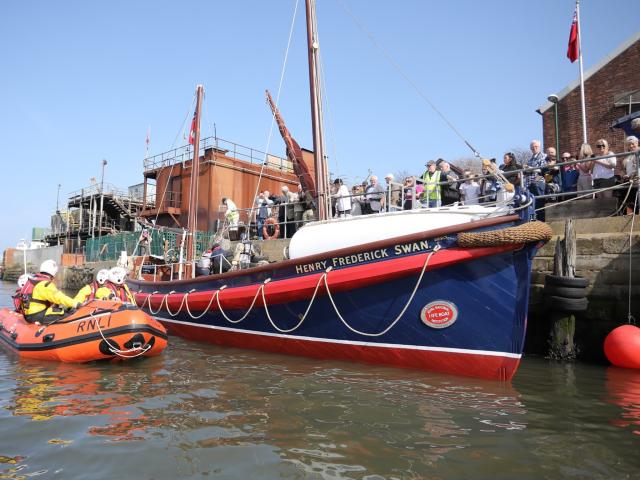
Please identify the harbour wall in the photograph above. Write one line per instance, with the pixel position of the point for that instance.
(609, 256)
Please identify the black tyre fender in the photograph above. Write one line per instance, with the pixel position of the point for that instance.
(573, 282)
(569, 304)
(565, 292)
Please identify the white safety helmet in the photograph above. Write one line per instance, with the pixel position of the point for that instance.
(50, 267)
(22, 280)
(117, 275)
(102, 276)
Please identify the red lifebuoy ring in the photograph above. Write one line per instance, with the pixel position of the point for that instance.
(265, 229)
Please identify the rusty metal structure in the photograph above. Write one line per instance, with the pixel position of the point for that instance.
(226, 169)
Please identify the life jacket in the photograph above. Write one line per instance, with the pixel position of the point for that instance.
(24, 296)
(94, 286)
(121, 292)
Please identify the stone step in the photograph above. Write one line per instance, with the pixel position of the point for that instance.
(617, 224)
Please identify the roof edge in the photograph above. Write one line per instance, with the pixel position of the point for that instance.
(598, 66)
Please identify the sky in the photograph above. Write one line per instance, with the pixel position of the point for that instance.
(84, 81)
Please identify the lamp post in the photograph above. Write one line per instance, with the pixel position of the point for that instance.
(58, 199)
(554, 99)
(104, 163)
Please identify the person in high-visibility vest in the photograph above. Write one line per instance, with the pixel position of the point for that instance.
(431, 195)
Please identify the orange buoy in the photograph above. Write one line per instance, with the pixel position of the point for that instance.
(622, 346)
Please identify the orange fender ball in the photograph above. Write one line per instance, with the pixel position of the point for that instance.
(622, 346)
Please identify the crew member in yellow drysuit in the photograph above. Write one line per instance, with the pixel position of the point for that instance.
(47, 303)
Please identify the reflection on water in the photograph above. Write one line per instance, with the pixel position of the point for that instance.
(623, 389)
(199, 410)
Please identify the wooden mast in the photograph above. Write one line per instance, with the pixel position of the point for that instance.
(192, 222)
(316, 112)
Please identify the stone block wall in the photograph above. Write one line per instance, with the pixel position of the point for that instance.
(611, 261)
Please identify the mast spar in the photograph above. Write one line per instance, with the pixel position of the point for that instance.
(322, 183)
(192, 222)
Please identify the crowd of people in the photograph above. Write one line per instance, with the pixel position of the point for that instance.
(543, 174)
(39, 300)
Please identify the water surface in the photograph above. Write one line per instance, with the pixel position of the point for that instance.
(200, 411)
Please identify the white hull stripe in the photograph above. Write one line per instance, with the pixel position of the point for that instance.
(349, 342)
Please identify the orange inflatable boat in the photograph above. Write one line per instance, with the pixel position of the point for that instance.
(98, 330)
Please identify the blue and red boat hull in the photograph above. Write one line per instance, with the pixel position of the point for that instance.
(466, 317)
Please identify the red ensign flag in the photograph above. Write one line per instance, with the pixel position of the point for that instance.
(192, 132)
(573, 52)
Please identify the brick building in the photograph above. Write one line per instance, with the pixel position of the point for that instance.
(612, 91)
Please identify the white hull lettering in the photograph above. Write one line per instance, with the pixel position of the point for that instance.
(311, 267)
(411, 247)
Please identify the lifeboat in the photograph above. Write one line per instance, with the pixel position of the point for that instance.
(99, 330)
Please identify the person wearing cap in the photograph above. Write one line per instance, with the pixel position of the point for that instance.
(47, 303)
(431, 196)
(393, 193)
(342, 198)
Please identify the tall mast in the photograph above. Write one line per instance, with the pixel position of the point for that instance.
(192, 225)
(316, 111)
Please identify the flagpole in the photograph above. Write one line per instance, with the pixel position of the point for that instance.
(147, 142)
(584, 110)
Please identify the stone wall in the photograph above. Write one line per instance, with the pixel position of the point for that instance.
(74, 277)
(604, 250)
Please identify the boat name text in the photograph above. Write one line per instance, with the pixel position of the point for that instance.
(363, 257)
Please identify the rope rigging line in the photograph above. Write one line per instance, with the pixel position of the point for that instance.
(323, 279)
(182, 127)
(397, 319)
(592, 192)
(313, 297)
(185, 301)
(395, 65)
(630, 317)
(217, 295)
(166, 303)
(273, 119)
(333, 136)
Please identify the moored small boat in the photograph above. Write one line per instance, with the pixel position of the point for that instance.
(99, 330)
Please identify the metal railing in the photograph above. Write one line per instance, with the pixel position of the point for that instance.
(163, 201)
(221, 147)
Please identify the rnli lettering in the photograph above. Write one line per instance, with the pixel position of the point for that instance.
(411, 247)
(93, 324)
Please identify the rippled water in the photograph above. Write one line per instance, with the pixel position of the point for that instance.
(203, 411)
